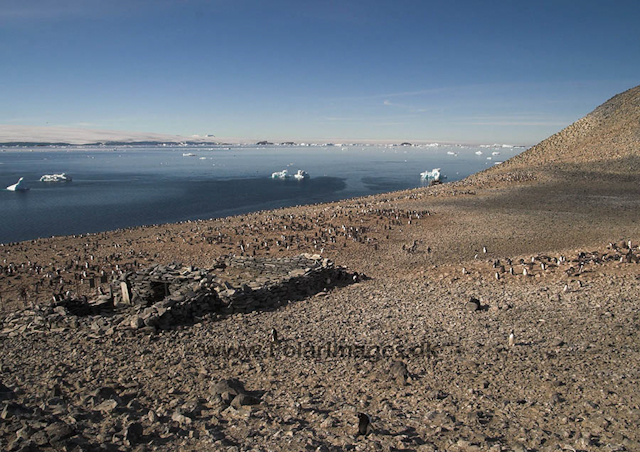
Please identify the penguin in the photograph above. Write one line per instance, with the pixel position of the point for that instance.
(364, 424)
(274, 336)
(512, 339)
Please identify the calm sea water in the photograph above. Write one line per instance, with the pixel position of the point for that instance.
(133, 186)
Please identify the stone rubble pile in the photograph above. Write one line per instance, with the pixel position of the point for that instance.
(163, 296)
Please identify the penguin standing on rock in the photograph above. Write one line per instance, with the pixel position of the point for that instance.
(364, 424)
(274, 336)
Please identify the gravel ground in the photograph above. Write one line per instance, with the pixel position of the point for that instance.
(406, 346)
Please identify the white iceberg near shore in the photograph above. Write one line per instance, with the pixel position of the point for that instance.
(433, 175)
(284, 174)
(21, 185)
(300, 175)
(62, 177)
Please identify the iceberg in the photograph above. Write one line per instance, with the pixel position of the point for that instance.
(433, 175)
(300, 175)
(284, 174)
(21, 185)
(62, 177)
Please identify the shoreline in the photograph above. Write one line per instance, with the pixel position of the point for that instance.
(443, 203)
(316, 190)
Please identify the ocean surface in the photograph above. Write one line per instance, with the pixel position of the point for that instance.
(141, 185)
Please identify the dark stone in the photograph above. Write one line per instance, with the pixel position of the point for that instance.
(5, 392)
(231, 386)
(11, 410)
(104, 392)
(58, 431)
(244, 399)
(473, 305)
(134, 432)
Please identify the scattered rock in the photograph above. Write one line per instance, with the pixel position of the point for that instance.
(107, 406)
(473, 305)
(230, 386)
(244, 399)
(181, 419)
(134, 432)
(399, 372)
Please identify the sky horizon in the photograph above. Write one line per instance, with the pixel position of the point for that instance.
(440, 71)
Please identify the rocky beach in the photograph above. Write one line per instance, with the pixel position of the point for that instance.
(495, 313)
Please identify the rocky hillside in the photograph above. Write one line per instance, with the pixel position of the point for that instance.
(610, 132)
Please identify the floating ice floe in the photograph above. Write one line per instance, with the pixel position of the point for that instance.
(452, 153)
(188, 154)
(300, 175)
(21, 185)
(478, 152)
(284, 174)
(495, 153)
(433, 175)
(62, 177)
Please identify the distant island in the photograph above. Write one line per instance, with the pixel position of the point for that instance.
(19, 135)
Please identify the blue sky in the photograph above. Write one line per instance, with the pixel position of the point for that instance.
(463, 71)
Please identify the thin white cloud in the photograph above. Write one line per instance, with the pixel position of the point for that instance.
(398, 94)
(410, 108)
(494, 89)
(518, 123)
